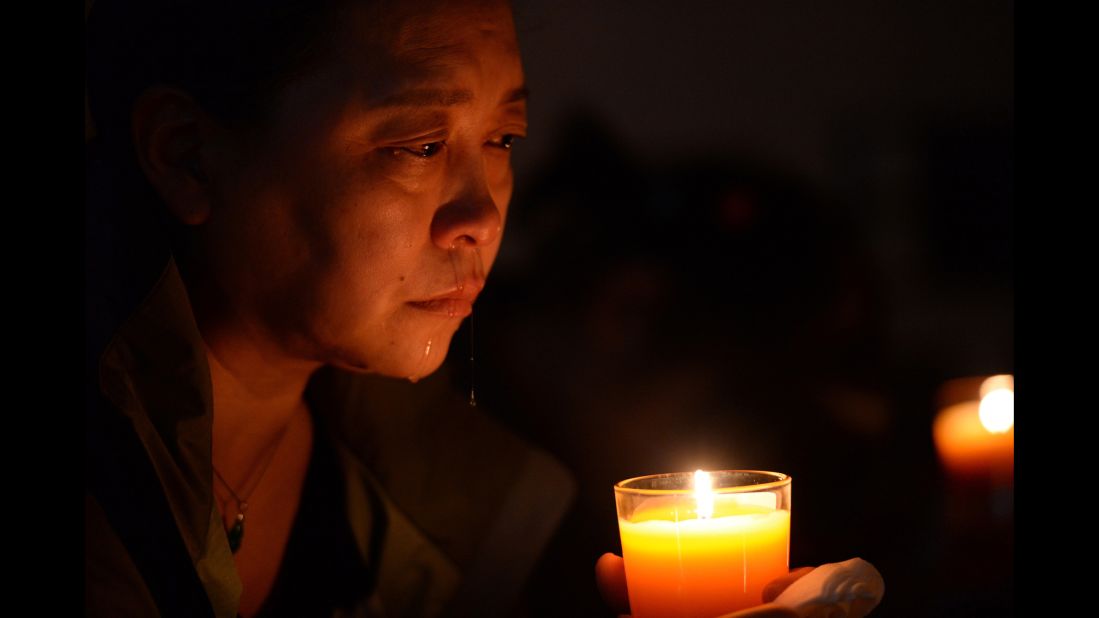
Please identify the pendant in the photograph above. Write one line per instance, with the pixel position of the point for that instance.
(236, 533)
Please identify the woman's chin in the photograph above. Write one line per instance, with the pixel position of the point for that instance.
(413, 363)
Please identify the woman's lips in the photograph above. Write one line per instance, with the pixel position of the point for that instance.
(450, 307)
(455, 303)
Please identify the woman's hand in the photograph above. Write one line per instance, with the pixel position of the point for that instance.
(610, 576)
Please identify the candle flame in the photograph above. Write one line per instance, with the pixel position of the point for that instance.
(997, 410)
(704, 494)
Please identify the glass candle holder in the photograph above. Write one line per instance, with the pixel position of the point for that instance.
(698, 544)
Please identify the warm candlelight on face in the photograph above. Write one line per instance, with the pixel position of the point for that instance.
(976, 437)
(701, 545)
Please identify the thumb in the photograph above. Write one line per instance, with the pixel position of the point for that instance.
(777, 585)
(610, 577)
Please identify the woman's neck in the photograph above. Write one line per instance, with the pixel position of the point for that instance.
(258, 387)
(253, 404)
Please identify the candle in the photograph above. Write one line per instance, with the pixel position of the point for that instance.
(701, 551)
(975, 429)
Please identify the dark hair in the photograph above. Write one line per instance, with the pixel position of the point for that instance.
(233, 57)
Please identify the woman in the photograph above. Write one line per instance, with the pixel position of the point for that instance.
(285, 196)
(332, 181)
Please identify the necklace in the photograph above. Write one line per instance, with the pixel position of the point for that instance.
(236, 533)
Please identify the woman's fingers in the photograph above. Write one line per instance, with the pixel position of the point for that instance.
(776, 586)
(610, 576)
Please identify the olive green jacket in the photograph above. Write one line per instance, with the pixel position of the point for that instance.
(468, 506)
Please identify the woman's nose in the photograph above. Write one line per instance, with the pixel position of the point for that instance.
(471, 219)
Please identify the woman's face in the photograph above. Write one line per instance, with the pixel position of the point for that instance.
(349, 231)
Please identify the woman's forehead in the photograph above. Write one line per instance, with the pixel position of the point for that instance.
(438, 46)
(462, 61)
(420, 29)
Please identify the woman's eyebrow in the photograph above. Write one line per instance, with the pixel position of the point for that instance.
(519, 94)
(406, 125)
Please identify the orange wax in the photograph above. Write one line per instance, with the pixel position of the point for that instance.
(702, 568)
(967, 448)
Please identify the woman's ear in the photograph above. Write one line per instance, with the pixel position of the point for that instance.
(171, 132)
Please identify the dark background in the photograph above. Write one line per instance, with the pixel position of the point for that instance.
(762, 235)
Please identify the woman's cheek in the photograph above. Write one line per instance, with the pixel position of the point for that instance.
(501, 183)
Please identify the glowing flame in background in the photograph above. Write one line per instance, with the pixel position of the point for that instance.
(997, 410)
(704, 494)
(974, 431)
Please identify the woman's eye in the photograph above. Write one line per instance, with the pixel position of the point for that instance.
(505, 141)
(424, 151)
